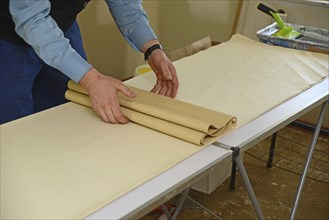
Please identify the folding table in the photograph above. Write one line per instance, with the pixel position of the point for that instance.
(81, 154)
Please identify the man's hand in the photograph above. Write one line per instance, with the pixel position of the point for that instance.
(167, 82)
(103, 94)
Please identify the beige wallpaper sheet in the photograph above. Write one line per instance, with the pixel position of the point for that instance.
(65, 163)
(243, 77)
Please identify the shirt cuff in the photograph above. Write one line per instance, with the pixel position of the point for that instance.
(140, 35)
(74, 66)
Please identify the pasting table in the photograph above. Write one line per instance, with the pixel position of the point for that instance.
(65, 163)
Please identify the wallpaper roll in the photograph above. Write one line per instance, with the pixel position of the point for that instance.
(182, 120)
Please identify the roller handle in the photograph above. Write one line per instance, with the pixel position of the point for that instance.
(266, 9)
(272, 13)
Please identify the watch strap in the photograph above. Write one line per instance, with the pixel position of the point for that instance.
(150, 50)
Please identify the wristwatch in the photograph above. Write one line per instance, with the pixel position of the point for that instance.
(149, 51)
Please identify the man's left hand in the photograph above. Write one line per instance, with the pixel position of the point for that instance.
(167, 82)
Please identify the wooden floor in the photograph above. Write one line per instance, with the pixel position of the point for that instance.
(274, 187)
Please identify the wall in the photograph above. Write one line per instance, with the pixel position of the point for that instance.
(105, 47)
(183, 22)
(176, 23)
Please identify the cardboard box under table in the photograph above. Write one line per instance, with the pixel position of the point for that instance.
(65, 163)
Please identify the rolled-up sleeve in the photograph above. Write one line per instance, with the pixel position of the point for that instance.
(34, 24)
(132, 22)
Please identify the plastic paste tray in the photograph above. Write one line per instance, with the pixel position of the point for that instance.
(319, 42)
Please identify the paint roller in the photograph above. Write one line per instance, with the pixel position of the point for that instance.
(284, 30)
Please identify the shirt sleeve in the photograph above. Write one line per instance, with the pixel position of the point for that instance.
(34, 24)
(132, 22)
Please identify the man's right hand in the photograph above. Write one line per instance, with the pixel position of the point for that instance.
(103, 94)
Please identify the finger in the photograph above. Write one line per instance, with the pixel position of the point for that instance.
(169, 89)
(156, 87)
(110, 116)
(118, 115)
(126, 90)
(163, 89)
(174, 90)
(113, 111)
(98, 109)
(102, 115)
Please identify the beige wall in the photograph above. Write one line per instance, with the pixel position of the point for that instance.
(176, 23)
(105, 47)
(183, 22)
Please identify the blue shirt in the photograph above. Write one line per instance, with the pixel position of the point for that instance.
(38, 28)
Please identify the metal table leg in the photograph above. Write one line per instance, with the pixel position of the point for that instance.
(308, 159)
(272, 147)
(180, 204)
(246, 181)
(233, 176)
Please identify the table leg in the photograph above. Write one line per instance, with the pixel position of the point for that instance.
(272, 147)
(308, 159)
(246, 181)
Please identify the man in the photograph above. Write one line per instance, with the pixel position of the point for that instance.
(40, 39)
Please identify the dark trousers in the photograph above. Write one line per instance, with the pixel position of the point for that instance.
(27, 84)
